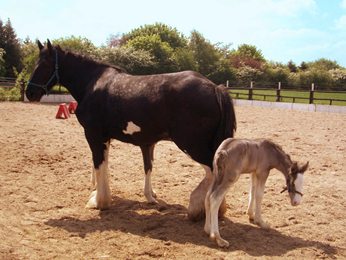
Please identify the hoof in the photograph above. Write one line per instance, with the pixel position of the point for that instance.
(93, 203)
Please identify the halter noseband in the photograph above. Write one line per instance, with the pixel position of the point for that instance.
(55, 74)
(288, 187)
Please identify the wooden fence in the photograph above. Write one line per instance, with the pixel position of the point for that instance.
(309, 96)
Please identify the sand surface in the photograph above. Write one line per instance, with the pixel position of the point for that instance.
(45, 184)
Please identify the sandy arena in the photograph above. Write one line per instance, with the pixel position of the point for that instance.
(45, 184)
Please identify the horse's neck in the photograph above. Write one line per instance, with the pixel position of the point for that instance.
(76, 76)
(284, 163)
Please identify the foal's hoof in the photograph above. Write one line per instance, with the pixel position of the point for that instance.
(219, 241)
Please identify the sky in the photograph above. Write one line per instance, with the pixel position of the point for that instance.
(284, 30)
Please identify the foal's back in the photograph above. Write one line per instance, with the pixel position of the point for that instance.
(248, 155)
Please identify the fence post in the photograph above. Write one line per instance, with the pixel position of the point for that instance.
(227, 84)
(278, 93)
(311, 101)
(250, 90)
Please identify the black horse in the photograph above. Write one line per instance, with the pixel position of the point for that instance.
(183, 107)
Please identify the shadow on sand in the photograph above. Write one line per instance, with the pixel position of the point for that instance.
(170, 223)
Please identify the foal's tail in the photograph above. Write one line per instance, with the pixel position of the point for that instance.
(228, 123)
(219, 168)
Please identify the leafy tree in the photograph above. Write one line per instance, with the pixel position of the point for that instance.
(185, 59)
(2, 63)
(241, 61)
(166, 33)
(324, 64)
(250, 51)
(136, 62)
(205, 54)
(162, 52)
(78, 44)
(11, 45)
(223, 71)
(303, 66)
(292, 67)
(247, 74)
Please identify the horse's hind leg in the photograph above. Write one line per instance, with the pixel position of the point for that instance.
(196, 209)
(215, 200)
(148, 158)
(101, 198)
(251, 207)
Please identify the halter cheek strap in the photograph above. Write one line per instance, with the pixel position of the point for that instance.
(288, 187)
(55, 74)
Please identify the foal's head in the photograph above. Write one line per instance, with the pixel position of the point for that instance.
(295, 181)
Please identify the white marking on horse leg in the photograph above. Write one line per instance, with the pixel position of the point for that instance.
(196, 207)
(298, 183)
(101, 197)
(93, 177)
(148, 191)
(251, 207)
(131, 128)
(258, 201)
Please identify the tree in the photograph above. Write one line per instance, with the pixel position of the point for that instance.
(292, 67)
(136, 62)
(2, 63)
(204, 53)
(324, 64)
(11, 45)
(162, 52)
(250, 51)
(166, 33)
(78, 44)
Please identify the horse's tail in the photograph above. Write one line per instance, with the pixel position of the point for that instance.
(228, 124)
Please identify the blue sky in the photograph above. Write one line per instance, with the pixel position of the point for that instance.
(284, 30)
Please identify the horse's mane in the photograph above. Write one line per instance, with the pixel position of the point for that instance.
(280, 151)
(89, 60)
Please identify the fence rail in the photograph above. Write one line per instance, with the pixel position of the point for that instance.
(311, 96)
(7, 83)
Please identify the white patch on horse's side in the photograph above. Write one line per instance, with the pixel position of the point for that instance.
(298, 183)
(131, 128)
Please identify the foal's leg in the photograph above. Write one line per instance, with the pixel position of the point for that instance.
(261, 180)
(251, 207)
(216, 198)
(101, 197)
(148, 158)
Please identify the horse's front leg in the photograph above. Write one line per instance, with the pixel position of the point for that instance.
(101, 197)
(260, 183)
(148, 158)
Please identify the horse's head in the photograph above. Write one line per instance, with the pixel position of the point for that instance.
(295, 181)
(45, 75)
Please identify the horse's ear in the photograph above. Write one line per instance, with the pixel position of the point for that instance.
(49, 45)
(294, 168)
(40, 46)
(304, 167)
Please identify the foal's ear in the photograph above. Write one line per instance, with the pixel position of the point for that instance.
(40, 46)
(49, 45)
(304, 167)
(294, 168)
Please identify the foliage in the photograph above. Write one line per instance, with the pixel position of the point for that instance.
(10, 95)
(292, 67)
(78, 44)
(241, 61)
(250, 51)
(247, 74)
(204, 53)
(161, 51)
(166, 33)
(2, 63)
(12, 47)
(323, 64)
(185, 59)
(136, 62)
(223, 71)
